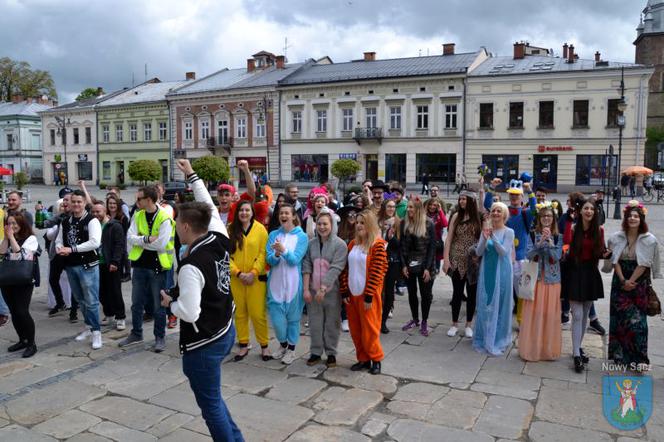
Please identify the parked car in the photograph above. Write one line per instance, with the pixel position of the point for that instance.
(173, 187)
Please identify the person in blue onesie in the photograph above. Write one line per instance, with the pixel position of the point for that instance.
(286, 248)
(520, 221)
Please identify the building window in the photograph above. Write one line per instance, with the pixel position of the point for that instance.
(260, 129)
(188, 130)
(76, 138)
(162, 131)
(612, 113)
(10, 141)
(347, 120)
(119, 135)
(505, 167)
(205, 130)
(580, 114)
(222, 132)
(516, 115)
(372, 117)
(486, 115)
(546, 115)
(242, 128)
(88, 135)
(147, 131)
(133, 132)
(395, 117)
(106, 170)
(592, 170)
(52, 137)
(321, 121)
(423, 117)
(450, 116)
(84, 169)
(309, 168)
(441, 167)
(297, 122)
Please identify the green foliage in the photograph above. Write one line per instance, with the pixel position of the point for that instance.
(144, 171)
(57, 157)
(21, 179)
(102, 186)
(654, 136)
(88, 92)
(18, 78)
(345, 169)
(211, 168)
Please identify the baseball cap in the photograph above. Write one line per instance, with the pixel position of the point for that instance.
(64, 191)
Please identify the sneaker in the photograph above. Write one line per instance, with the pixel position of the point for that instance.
(401, 291)
(3, 320)
(55, 311)
(391, 313)
(452, 332)
(597, 327)
(424, 331)
(131, 339)
(172, 321)
(313, 360)
(105, 321)
(29, 351)
(411, 324)
(84, 335)
(96, 340)
(289, 357)
(120, 324)
(281, 351)
(468, 332)
(344, 325)
(159, 345)
(73, 316)
(331, 361)
(565, 323)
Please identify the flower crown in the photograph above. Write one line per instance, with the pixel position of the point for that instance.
(634, 204)
(553, 205)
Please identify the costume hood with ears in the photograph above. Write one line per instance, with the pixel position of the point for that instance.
(516, 187)
(313, 194)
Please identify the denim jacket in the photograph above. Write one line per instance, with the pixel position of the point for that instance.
(548, 256)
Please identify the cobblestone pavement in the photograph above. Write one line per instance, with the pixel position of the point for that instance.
(432, 389)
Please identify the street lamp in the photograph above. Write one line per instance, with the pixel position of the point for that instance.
(620, 120)
(62, 131)
(262, 114)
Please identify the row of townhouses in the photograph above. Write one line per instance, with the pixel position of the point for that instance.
(440, 115)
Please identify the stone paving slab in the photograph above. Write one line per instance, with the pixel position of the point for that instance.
(373, 428)
(562, 370)
(505, 417)
(507, 384)
(296, 390)
(44, 403)
(88, 437)
(127, 412)
(348, 407)
(406, 430)
(198, 425)
(319, 433)
(183, 435)
(121, 434)
(24, 378)
(3, 422)
(67, 424)
(420, 392)
(547, 432)
(300, 368)
(11, 367)
(154, 380)
(22, 434)
(170, 424)
(457, 409)
(181, 398)
(250, 379)
(361, 379)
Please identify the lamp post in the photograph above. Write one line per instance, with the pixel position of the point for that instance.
(62, 131)
(262, 114)
(620, 120)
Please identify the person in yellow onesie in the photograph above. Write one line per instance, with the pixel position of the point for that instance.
(248, 240)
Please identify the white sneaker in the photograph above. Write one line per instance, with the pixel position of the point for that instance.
(279, 353)
(289, 357)
(105, 321)
(84, 335)
(390, 314)
(344, 325)
(120, 324)
(96, 340)
(452, 331)
(468, 332)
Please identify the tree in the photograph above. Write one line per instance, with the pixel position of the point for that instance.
(144, 171)
(21, 179)
(18, 78)
(345, 169)
(88, 92)
(211, 168)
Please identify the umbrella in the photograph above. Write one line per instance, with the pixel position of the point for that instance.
(5, 171)
(637, 170)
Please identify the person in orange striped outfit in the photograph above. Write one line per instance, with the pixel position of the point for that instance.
(361, 288)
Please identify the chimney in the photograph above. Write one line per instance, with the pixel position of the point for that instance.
(565, 50)
(448, 48)
(100, 91)
(598, 56)
(519, 50)
(281, 61)
(570, 54)
(251, 65)
(369, 56)
(190, 75)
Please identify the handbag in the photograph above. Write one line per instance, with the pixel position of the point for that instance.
(17, 272)
(654, 307)
(527, 280)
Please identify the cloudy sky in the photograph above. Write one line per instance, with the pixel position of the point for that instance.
(87, 43)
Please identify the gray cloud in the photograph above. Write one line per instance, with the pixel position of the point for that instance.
(100, 43)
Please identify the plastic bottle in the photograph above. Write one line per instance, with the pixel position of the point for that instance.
(39, 217)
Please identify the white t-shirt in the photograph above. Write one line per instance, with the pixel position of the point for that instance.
(357, 270)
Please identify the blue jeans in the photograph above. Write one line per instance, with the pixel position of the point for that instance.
(4, 310)
(203, 369)
(84, 285)
(146, 285)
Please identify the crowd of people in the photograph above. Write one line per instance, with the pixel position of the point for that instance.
(255, 256)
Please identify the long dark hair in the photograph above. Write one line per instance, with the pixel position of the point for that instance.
(274, 219)
(473, 215)
(119, 215)
(235, 232)
(594, 231)
(25, 227)
(643, 226)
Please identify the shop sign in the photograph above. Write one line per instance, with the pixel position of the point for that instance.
(82, 157)
(254, 161)
(348, 156)
(542, 148)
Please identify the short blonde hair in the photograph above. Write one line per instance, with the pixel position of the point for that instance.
(503, 209)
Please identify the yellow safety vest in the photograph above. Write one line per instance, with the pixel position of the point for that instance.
(166, 257)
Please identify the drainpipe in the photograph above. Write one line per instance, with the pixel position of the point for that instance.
(639, 127)
(97, 141)
(463, 130)
(279, 136)
(170, 142)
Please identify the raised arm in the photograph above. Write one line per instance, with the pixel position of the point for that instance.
(243, 166)
(202, 195)
(81, 185)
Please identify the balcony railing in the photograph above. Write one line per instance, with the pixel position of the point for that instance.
(368, 133)
(224, 142)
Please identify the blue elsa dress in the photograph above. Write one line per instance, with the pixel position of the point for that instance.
(492, 332)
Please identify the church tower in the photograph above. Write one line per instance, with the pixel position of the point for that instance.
(650, 51)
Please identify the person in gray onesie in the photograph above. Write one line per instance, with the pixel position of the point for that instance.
(322, 265)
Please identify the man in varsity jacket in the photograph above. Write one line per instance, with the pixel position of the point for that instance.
(203, 302)
(77, 241)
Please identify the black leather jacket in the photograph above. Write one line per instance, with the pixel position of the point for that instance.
(419, 249)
